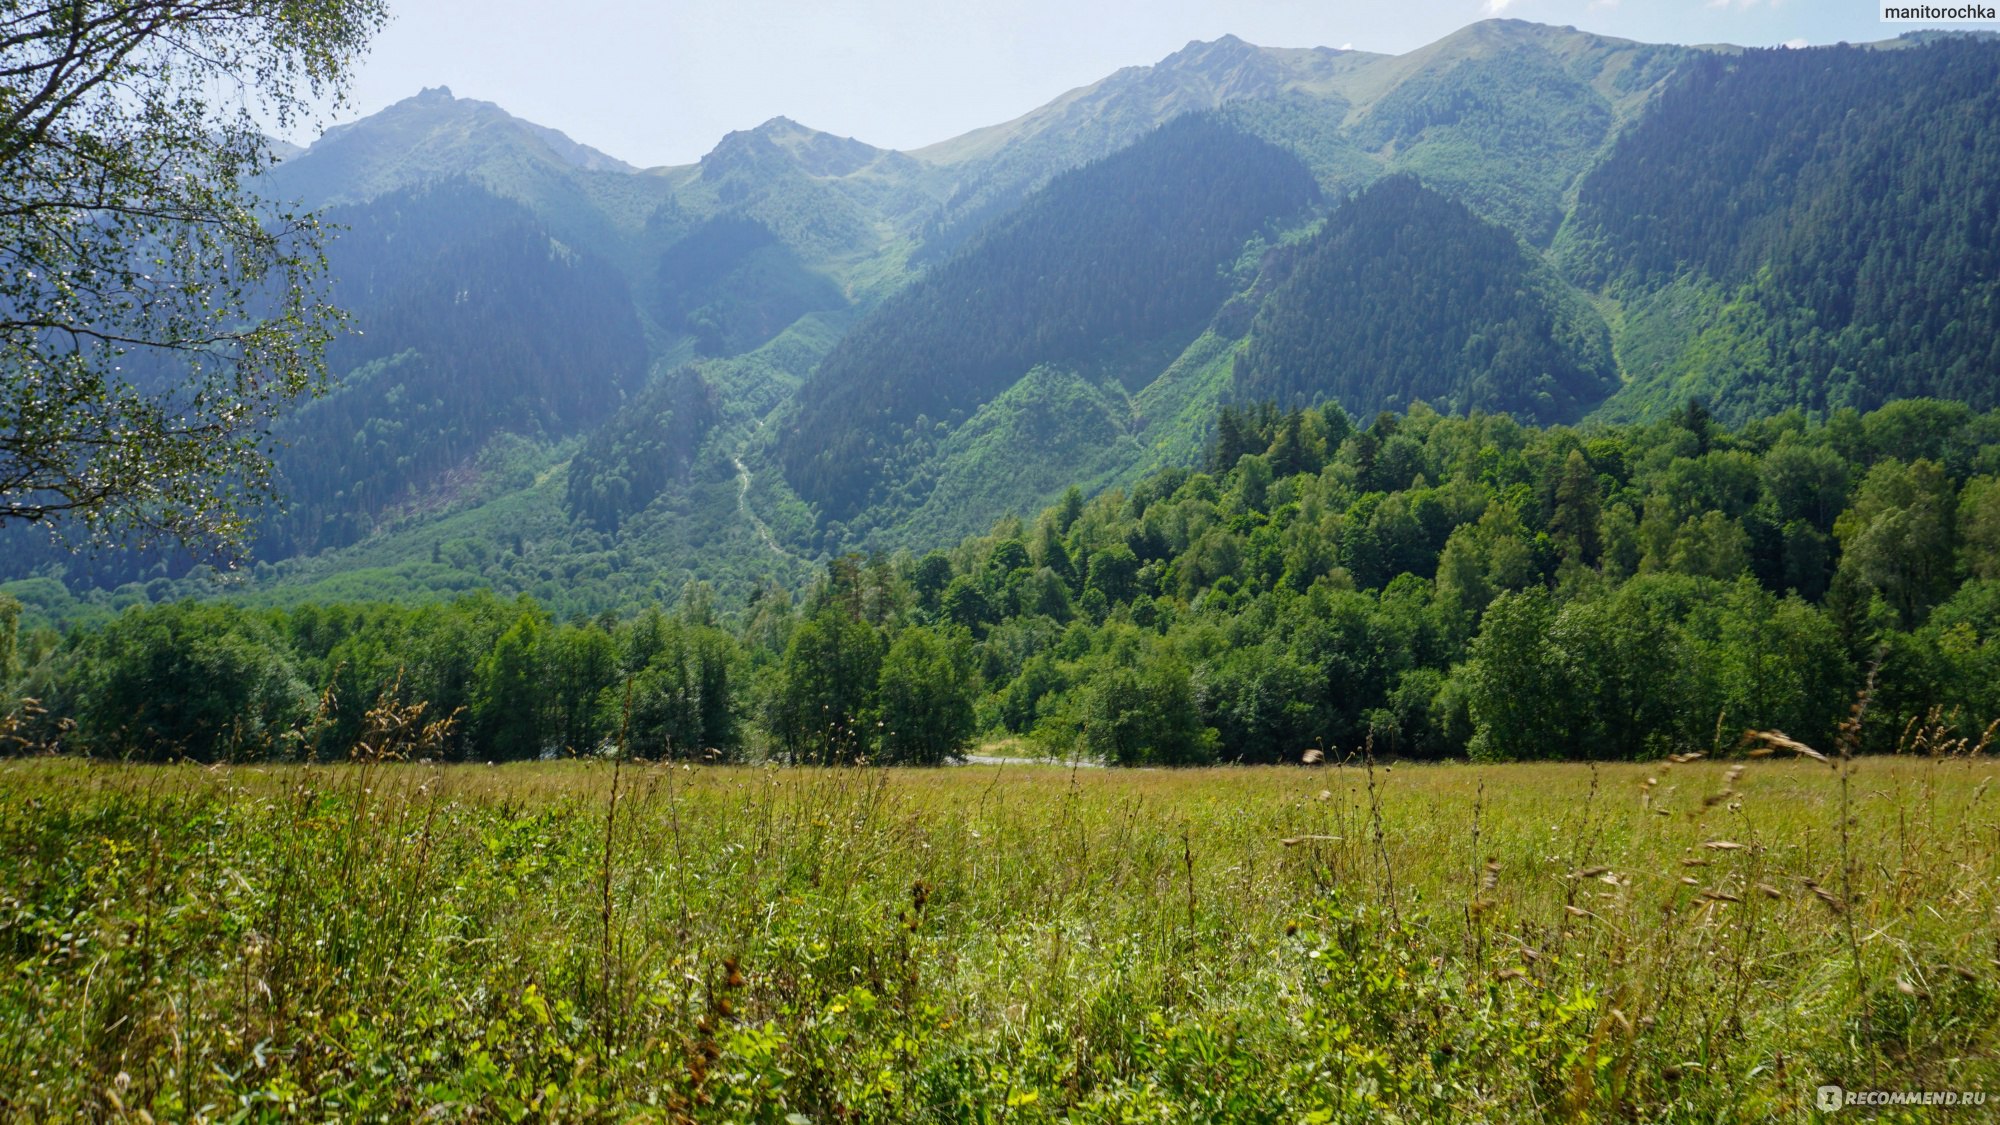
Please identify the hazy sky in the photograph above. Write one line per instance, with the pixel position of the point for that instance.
(661, 82)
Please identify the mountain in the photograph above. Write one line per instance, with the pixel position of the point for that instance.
(997, 166)
(472, 321)
(1815, 229)
(596, 383)
(1106, 268)
(588, 198)
(1405, 295)
(1507, 113)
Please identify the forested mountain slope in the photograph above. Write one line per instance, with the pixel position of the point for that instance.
(1404, 296)
(1805, 228)
(472, 321)
(1099, 270)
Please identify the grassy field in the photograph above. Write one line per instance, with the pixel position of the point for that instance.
(1693, 942)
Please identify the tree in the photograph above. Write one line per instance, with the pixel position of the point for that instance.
(926, 695)
(1578, 510)
(209, 682)
(1898, 535)
(10, 630)
(822, 711)
(1979, 526)
(153, 314)
(682, 703)
(1520, 696)
(511, 692)
(1146, 716)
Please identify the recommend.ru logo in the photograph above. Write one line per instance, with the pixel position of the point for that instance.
(1831, 1098)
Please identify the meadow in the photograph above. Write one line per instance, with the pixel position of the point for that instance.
(1692, 941)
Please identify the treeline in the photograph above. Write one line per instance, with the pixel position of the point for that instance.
(837, 680)
(1429, 586)
(212, 681)
(1104, 260)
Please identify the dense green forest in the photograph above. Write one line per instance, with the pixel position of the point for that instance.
(732, 285)
(1405, 296)
(626, 462)
(1102, 265)
(1805, 228)
(472, 321)
(1423, 586)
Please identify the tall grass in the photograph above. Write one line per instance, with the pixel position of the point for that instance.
(384, 941)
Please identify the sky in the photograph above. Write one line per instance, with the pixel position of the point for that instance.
(660, 82)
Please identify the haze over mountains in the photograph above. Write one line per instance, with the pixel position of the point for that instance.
(593, 382)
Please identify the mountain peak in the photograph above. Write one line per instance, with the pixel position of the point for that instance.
(1208, 54)
(781, 138)
(429, 135)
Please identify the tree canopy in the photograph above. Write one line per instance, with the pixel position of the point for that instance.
(153, 314)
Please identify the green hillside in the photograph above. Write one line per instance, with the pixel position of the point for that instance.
(1805, 228)
(1405, 295)
(594, 383)
(1110, 270)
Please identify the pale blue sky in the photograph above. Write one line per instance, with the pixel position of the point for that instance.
(659, 83)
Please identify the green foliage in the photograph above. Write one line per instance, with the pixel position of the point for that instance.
(1406, 296)
(1428, 585)
(823, 710)
(683, 700)
(154, 315)
(10, 641)
(509, 697)
(1145, 716)
(1828, 205)
(1080, 276)
(1441, 586)
(926, 696)
(207, 682)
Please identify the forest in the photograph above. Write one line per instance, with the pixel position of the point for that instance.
(1424, 586)
(1821, 226)
(1099, 267)
(1405, 295)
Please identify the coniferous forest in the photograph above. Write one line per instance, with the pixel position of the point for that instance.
(1105, 262)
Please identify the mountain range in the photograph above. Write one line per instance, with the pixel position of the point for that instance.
(593, 382)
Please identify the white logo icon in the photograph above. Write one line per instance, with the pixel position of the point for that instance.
(1831, 1098)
